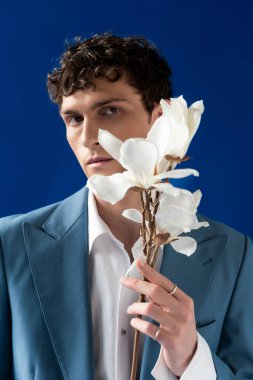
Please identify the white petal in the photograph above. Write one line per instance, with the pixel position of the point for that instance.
(163, 227)
(179, 107)
(165, 106)
(200, 224)
(197, 195)
(110, 143)
(160, 135)
(184, 201)
(194, 117)
(133, 214)
(176, 106)
(139, 157)
(169, 132)
(110, 188)
(179, 135)
(185, 245)
(177, 173)
(195, 112)
(168, 188)
(174, 215)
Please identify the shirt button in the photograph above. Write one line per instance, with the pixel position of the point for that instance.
(123, 332)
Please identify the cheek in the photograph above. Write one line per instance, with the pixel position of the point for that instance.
(135, 127)
(71, 141)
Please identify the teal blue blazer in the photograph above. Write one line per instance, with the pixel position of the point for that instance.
(45, 310)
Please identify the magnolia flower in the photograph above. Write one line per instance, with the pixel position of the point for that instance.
(144, 159)
(139, 157)
(175, 215)
(173, 131)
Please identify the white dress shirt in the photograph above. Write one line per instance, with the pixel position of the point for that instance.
(112, 333)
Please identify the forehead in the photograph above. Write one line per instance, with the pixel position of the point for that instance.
(103, 93)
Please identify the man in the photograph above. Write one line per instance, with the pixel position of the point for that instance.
(67, 276)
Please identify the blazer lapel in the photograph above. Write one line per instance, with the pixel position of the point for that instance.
(193, 275)
(58, 259)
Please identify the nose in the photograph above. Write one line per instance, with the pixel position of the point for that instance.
(89, 133)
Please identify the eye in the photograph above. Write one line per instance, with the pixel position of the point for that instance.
(110, 110)
(74, 119)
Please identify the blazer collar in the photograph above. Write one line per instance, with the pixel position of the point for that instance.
(69, 211)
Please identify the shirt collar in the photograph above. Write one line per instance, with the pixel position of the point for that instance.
(96, 225)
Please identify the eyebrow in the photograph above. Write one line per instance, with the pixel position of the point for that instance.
(95, 105)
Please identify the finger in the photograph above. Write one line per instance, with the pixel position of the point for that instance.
(148, 299)
(157, 278)
(147, 309)
(144, 327)
(155, 293)
(149, 329)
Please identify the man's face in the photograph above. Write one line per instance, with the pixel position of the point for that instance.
(113, 106)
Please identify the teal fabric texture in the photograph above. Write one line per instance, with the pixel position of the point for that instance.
(45, 309)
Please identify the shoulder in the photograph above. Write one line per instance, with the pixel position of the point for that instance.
(218, 228)
(37, 216)
(236, 243)
(11, 223)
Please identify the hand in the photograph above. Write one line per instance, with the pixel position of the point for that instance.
(177, 333)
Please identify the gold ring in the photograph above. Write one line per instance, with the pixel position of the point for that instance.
(156, 334)
(173, 290)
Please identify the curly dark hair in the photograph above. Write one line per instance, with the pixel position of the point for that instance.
(106, 56)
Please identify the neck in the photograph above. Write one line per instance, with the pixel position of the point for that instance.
(123, 229)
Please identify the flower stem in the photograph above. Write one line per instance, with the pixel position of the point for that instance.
(136, 345)
(150, 249)
(144, 230)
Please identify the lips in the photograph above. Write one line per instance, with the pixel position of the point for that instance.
(98, 159)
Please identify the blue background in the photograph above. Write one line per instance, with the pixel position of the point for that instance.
(207, 43)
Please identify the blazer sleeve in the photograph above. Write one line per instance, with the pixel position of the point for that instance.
(234, 358)
(6, 372)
